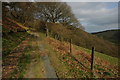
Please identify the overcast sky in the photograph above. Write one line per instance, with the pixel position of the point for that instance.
(96, 16)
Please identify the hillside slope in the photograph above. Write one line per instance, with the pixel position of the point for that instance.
(110, 35)
(11, 41)
(77, 63)
(13, 33)
(82, 38)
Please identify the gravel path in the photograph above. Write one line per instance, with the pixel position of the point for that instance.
(50, 72)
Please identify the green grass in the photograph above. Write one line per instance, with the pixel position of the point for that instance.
(24, 60)
(63, 69)
(21, 66)
(60, 67)
(29, 55)
(37, 68)
(110, 59)
(11, 40)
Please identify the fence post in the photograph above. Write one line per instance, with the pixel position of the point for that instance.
(92, 58)
(50, 33)
(55, 36)
(70, 45)
(62, 39)
(58, 37)
(46, 32)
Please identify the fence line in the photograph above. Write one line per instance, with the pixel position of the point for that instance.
(58, 37)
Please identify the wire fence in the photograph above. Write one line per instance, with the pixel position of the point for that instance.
(60, 38)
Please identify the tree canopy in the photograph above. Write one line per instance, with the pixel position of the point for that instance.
(56, 12)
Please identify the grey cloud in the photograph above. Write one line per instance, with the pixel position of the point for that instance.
(95, 16)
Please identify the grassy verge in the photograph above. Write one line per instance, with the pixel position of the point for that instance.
(29, 57)
(11, 40)
(64, 65)
(110, 59)
(35, 68)
(78, 66)
(60, 67)
(24, 60)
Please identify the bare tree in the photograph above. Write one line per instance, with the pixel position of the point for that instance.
(56, 12)
(19, 11)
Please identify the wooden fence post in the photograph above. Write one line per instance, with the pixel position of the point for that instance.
(70, 45)
(62, 39)
(55, 36)
(46, 32)
(50, 33)
(58, 37)
(92, 58)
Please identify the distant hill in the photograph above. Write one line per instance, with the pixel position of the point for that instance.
(110, 35)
